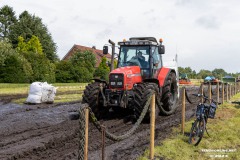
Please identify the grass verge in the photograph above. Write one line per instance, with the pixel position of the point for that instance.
(58, 98)
(223, 143)
(66, 92)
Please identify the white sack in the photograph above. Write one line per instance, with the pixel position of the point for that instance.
(48, 93)
(41, 92)
(36, 88)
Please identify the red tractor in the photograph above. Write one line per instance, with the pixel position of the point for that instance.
(139, 71)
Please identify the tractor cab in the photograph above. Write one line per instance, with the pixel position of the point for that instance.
(143, 52)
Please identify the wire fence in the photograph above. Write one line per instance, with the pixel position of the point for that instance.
(223, 91)
(103, 129)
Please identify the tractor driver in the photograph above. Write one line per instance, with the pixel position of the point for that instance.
(141, 59)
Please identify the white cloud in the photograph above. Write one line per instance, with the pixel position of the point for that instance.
(204, 33)
(209, 22)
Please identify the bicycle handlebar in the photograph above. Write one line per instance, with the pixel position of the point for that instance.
(205, 98)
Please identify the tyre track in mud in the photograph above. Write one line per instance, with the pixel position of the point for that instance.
(29, 130)
(45, 132)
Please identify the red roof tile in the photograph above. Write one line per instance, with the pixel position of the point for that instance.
(98, 53)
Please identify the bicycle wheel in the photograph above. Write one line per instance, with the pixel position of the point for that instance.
(197, 131)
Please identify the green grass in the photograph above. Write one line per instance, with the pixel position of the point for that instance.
(57, 99)
(68, 98)
(66, 92)
(196, 82)
(11, 89)
(224, 133)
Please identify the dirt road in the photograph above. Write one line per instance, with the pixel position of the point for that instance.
(45, 132)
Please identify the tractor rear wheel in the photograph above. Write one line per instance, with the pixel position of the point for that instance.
(142, 93)
(92, 96)
(169, 95)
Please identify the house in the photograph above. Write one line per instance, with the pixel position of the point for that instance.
(98, 53)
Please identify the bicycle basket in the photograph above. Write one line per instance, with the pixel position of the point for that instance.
(212, 110)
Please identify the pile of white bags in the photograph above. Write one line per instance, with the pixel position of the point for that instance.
(41, 92)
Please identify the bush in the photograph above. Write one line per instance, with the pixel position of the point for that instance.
(64, 72)
(43, 69)
(16, 70)
(103, 70)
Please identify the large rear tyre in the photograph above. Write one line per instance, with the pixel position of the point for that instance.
(92, 96)
(142, 93)
(197, 131)
(170, 95)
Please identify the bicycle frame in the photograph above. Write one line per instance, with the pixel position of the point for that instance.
(199, 125)
(203, 111)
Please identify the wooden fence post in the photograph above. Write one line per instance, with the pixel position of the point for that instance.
(237, 84)
(103, 142)
(227, 92)
(230, 91)
(86, 134)
(202, 92)
(223, 93)
(217, 93)
(210, 92)
(235, 88)
(183, 109)
(152, 129)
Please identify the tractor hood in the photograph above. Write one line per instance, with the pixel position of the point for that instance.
(131, 74)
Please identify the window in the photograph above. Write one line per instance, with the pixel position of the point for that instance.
(157, 62)
(134, 56)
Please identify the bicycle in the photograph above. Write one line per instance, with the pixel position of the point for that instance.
(204, 111)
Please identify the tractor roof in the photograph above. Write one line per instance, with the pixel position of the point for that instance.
(140, 41)
(143, 39)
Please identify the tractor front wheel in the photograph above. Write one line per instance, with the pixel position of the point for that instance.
(142, 93)
(92, 96)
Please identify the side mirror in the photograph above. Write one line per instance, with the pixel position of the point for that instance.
(105, 49)
(161, 49)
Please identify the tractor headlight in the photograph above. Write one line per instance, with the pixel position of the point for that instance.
(116, 80)
(119, 83)
(113, 83)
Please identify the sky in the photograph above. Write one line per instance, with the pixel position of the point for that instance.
(205, 34)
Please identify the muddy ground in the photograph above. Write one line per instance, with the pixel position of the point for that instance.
(44, 131)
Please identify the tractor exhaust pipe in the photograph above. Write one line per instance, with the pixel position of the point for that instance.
(113, 52)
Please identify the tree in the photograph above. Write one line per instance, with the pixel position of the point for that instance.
(115, 63)
(103, 70)
(64, 72)
(29, 25)
(219, 73)
(204, 73)
(181, 70)
(16, 70)
(33, 45)
(5, 51)
(84, 59)
(84, 65)
(43, 69)
(187, 70)
(7, 20)
(82, 74)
